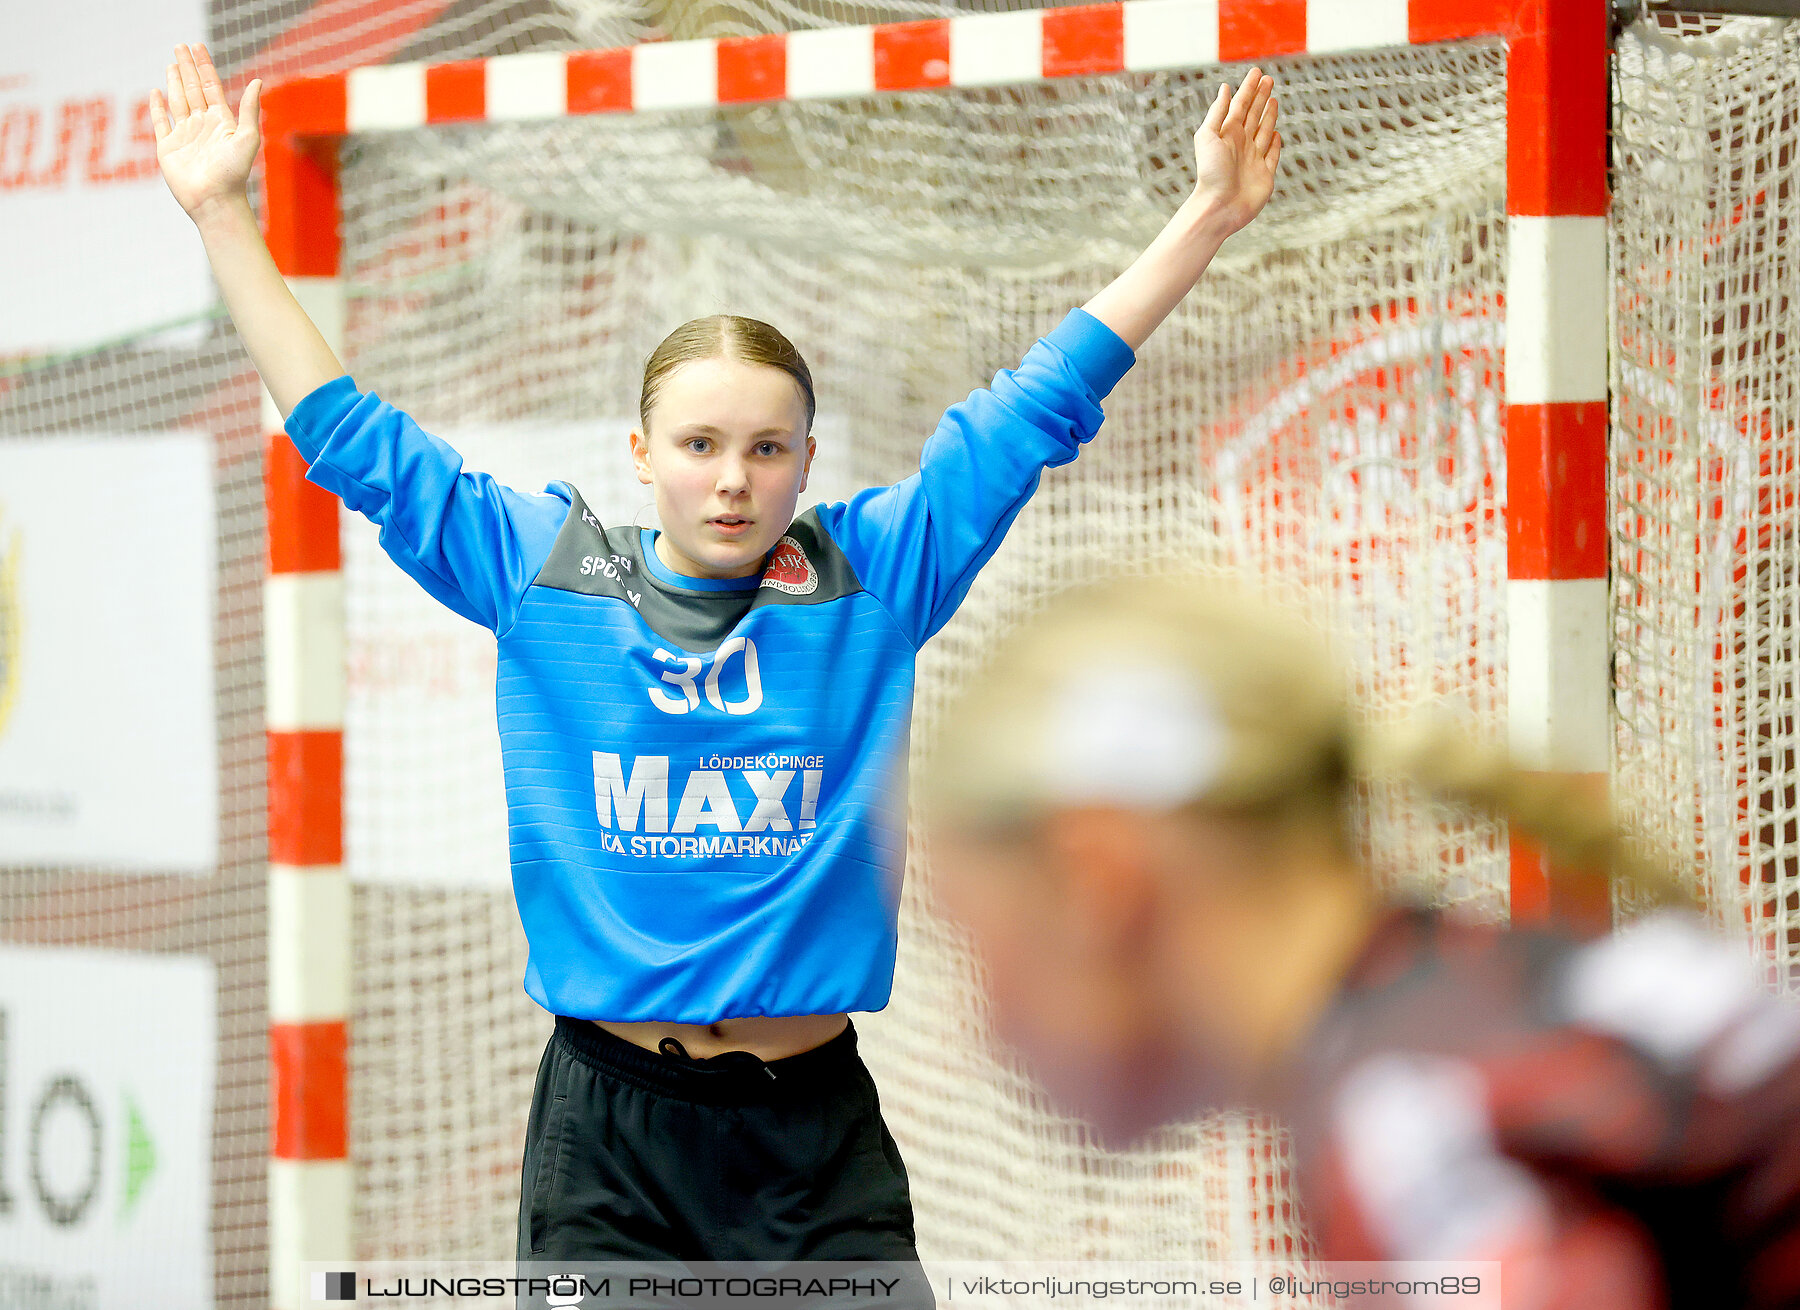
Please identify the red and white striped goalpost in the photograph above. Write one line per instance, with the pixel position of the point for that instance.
(1556, 396)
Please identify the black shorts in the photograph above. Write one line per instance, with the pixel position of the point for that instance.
(638, 1155)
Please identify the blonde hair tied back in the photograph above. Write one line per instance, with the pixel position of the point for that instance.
(1293, 748)
(734, 336)
(1577, 828)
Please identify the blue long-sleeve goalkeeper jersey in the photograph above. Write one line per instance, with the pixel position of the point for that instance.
(705, 778)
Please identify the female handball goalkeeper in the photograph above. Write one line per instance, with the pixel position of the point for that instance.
(704, 729)
(1182, 921)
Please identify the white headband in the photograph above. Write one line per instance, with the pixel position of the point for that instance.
(1137, 733)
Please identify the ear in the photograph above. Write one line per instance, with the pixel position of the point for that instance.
(640, 456)
(806, 468)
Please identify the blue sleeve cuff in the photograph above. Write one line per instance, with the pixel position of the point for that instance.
(319, 411)
(1099, 354)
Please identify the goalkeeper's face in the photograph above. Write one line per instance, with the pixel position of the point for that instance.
(727, 453)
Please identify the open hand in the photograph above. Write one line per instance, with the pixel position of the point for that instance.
(1236, 152)
(205, 152)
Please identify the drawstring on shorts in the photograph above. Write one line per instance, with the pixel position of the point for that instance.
(724, 1062)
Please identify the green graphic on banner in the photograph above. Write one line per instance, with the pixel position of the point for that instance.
(140, 1155)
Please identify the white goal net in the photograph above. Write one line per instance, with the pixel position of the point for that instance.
(1706, 461)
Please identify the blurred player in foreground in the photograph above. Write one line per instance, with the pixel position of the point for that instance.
(1140, 810)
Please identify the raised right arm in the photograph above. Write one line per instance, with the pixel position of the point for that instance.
(470, 542)
(288, 350)
(205, 153)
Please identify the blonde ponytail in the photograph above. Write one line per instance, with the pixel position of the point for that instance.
(1264, 695)
(1576, 829)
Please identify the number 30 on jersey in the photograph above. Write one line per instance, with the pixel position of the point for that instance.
(685, 675)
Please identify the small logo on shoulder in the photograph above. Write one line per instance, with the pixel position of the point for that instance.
(789, 570)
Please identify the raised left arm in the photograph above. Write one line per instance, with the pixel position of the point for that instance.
(1236, 152)
(917, 545)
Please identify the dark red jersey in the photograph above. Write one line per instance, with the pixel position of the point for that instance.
(1617, 1121)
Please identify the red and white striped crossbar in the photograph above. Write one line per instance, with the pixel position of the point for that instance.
(1556, 393)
